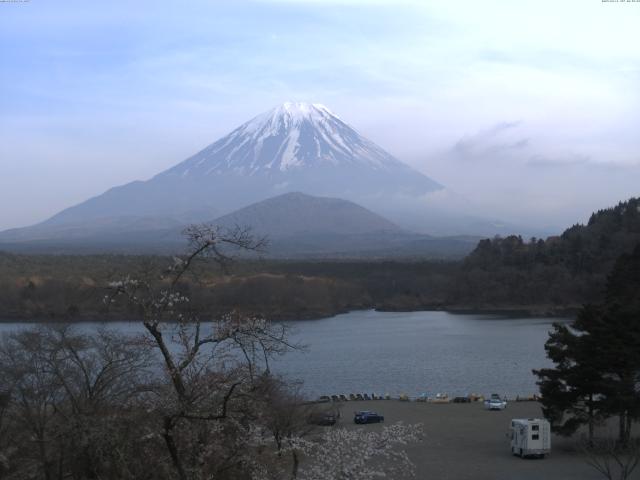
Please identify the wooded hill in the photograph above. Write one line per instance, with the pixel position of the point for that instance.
(538, 276)
(560, 271)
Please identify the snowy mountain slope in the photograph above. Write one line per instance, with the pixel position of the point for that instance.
(291, 136)
(294, 147)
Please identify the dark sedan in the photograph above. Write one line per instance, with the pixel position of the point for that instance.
(367, 416)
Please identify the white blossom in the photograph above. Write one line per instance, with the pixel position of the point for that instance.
(358, 454)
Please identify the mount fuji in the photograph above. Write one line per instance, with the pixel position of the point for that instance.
(295, 147)
(292, 138)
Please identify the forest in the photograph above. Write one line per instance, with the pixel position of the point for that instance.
(536, 276)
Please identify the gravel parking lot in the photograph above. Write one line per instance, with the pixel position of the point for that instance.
(465, 441)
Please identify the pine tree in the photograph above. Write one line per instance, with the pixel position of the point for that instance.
(571, 391)
(597, 359)
(619, 335)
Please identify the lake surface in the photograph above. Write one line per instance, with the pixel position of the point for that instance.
(409, 352)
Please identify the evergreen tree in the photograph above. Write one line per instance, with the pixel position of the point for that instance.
(571, 391)
(597, 359)
(619, 334)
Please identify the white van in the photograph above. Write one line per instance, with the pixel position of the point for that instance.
(530, 437)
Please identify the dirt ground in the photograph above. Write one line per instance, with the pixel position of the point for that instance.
(465, 441)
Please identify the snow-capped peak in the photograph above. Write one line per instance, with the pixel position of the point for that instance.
(289, 114)
(302, 110)
(291, 136)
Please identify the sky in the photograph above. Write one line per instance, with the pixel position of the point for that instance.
(530, 110)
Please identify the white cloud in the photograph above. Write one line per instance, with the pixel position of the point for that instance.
(138, 86)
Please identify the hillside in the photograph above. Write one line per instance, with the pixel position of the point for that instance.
(303, 226)
(581, 248)
(296, 225)
(293, 214)
(566, 270)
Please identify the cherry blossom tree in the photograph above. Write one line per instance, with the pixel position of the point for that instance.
(192, 398)
(217, 368)
(358, 454)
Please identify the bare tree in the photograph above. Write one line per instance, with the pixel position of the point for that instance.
(216, 368)
(611, 459)
(67, 400)
(288, 417)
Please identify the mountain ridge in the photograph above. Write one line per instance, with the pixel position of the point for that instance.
(293, 147)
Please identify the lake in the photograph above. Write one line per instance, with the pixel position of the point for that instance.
(410, 352)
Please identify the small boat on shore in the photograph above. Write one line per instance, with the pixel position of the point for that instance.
(440, 398)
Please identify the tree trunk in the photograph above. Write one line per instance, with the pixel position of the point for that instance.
(591, 420)
(47, 465)
(173, 450)
(296, 464)
(176, 378)
(628, 429)
(624, 428)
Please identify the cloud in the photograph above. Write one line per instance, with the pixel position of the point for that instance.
(539, 160)
(99, 93)
(578, 159)
(490, 141)
(504, 142)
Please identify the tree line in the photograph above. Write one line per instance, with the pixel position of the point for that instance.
(541, 276)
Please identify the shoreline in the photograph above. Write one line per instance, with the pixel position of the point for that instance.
(507, 311)
(538, 311)
(532, 311)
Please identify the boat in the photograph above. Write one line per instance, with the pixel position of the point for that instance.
(440, 398)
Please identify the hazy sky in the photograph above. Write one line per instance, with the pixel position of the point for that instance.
(529, 109)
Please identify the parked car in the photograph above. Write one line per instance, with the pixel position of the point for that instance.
(322, 418)
(461, 400)
(367, 416)
(495, 403)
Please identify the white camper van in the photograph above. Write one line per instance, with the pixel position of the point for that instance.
(530, 437)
